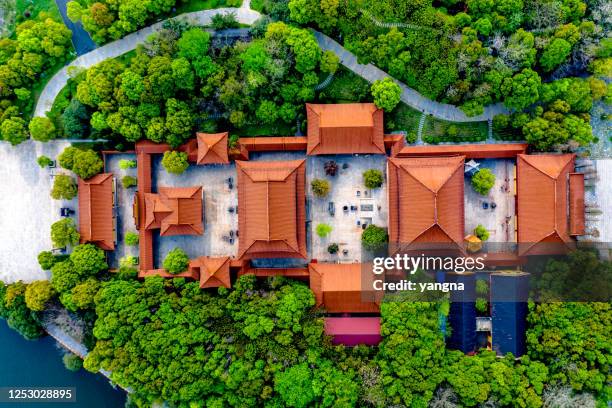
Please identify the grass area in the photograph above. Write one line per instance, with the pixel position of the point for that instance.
(346, 87)
(405, 118)
(32, 8)
(277, 129)
(437, 131)
(258, 5)
(196, 5)
(508, 134)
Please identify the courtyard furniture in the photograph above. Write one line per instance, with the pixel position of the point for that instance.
(493, 206)
(230, 183)
(353, 208)
(358, 223)
(231, 210)
(231, 241)
(358, 193)
(231, 234)
(345, 252)
(331, 208)
(345, 208)
(485, 205)
(66, 212)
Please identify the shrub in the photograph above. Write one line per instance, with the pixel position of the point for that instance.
(483, 181)
(88, 259)
(374, 237)
(386, 94)
(66, 158)
(72, 362)
(129, 181)
(411, 137)
(131, 238)
(329, 62)
(42, 129)
(333, 248)
(482, 305)
(175, 162)
(127, 261)
(481, 232)
(223, 21)
(38, 294)
(87, 163)
(373, 178)
(64, 187)
(324, 230)
(127, 164)
(44, 161)
(482, 287)
(46, 260)
(176, 261)
(64, 232)
(320, 187)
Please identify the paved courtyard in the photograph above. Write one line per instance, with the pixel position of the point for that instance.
(598, 200)
(500, 222)
(218, 221)
(27, 209)
(347, 190)
(125, 215)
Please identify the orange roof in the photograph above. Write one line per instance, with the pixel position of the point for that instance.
(272, 209)
(542, 189)
(576, 197)
(338, 288)
(426, 200)
(470, 151)
(175, 211)
(213, 272)
(165, 274)
(212, 148)
(345, 129)
(96, 211)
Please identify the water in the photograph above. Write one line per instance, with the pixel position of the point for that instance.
(38, 363)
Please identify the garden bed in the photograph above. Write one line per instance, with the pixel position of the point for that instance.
(441, 131)
(346, 87)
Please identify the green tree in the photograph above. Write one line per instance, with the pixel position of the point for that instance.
(193, 44)
(132, 85)
(295, 385)
(176, 261)
(42, 129)
(267, 111)
(38, 294)
(131, 238)
(323, 230)
(64, 232)
(374, 237)
(44, 161)
(175, 162)
(66, 157)
(386, 94)
(555, 53)
(72, 362)
(87, 163)
(481, 232)
(13, 308)
(88, 260)
(46, 259)
(127, 164)
(329, 62)
(74, 10)
(183, 75)
(483, 181)
(373, 178)
(320, 187)
(129, 181)
(13, 130)
(64, 188)
(521, 90)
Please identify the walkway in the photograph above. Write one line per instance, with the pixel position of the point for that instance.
(245, 15)
(409, 96)
(80, 38)
(126, 44)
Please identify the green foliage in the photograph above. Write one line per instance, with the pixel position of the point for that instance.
(193, 44)
(42, 129)
(521, 90)
(66, 157)
(224, 21)
(127, 164)
(87, 163)
(295, 386)
(481, 232)
(483, 181)
(72, 362)
(44, 161)
(129, 181)
(320, 187)
(64, 232)
(38, 294)
(13, 308)
(333, 248)
(131, 238)
(329, 62)
(46, 259)
(555, 53)
(176, 261)
(323, 230)
(374, 237)
(373, 178)
(88, 259)
(175, 162)
(64, 187)
(13, 130)
(386, 94)
(482, 305)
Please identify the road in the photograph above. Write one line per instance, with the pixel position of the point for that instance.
(80, 38)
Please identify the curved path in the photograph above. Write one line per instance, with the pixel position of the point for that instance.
(245, 15)
(126, 44)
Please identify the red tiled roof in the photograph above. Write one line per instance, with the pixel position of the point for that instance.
(426, 200)
(212, 148)
(272, 209)
(175, 211)
(213, 272)
(542, 190)
(576, 210)
(96, 211)
(470, 151)
(344, 129)
(338, 288)
(273, 143)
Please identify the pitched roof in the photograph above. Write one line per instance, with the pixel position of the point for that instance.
(542, 189)
(272, 209)
(470, 151)
(175, 211)
(341, 288)
(213, 272)
(426, 200)
(96, 211)
(212, 148)
(345, 129)
(576, 209)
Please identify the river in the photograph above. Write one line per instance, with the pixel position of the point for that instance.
(38, 363)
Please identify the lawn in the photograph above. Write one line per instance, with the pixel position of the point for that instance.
(196, 5)
(437, 131)
(277, 129)
(403, 117)
(346, 87)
